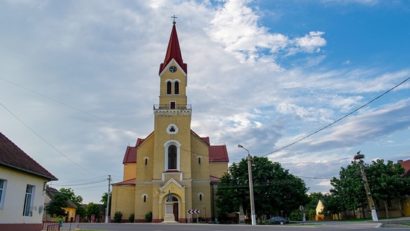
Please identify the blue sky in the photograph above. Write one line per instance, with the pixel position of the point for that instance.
(83, 77)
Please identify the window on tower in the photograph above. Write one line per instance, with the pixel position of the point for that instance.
(172, 157)
(176, 87)
(169, 86)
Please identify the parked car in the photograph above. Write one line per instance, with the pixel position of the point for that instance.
(278, 220)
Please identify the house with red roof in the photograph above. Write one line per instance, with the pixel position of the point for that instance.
(22, 185)
(171, 174)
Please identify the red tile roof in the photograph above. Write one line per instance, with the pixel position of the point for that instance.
(13, 157)
(130, 155)
(126, 182)
(173, 52)
(214, 179)
(406, 165)
(218, 153)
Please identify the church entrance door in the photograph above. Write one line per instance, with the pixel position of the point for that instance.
(176, 211)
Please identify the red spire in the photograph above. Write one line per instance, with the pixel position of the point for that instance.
(173, 52)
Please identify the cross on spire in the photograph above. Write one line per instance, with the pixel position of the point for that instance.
(173, 19)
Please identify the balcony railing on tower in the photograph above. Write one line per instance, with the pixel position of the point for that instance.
(172, 107)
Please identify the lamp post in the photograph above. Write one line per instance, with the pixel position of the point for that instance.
(253, 217)
(360, 158)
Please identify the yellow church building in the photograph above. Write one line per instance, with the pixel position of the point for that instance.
(173, 170)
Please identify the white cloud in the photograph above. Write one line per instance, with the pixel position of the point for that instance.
(236, 27)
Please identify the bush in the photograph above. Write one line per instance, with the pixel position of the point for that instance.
(118, 217)
(131, 218)
(148, 217)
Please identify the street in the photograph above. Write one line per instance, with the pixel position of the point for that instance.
(326, 226)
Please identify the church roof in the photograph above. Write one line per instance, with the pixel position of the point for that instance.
(173, 52)
(218, 153)
(13, 157)
(130, 155)
(406, 165)
(126, 182)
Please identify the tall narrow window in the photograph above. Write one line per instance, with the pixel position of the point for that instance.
(2, 192)
(172, 157)
(28, 200)
(176, 87)
(146, 161)
(145, 198)
(199, 160)
(169, 86)
(172, 105)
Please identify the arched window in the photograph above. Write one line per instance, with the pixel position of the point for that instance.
(172, 157)
(200, 196)
(169, 85)
(176, 87)
(146, 161)
(145, 198)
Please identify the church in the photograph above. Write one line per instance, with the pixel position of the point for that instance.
(172, 172)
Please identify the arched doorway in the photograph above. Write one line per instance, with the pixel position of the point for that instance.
(172, 206)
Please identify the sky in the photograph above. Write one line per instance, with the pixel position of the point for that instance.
(78, 80)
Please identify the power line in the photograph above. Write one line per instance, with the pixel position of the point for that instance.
(79, 184)
(338, 120)
(42, 138)
(53, 99)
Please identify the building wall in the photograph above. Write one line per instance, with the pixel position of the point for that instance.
(218, 169)
(123, 200)
(406, 207)
(12, 210)
(129, 171)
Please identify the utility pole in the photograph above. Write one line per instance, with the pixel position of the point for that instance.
(372, 206)
(107, 217)
(253, 217)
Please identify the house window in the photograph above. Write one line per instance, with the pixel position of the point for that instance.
(169, 85)
(176, 87)
(28, 200)
(172, 157)
(2, 192)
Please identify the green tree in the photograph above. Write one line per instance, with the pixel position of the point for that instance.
(76, 199)
(310, 207)
(103, 200)
(56, 205)
(387, 182)
(348, 188)
(276, 191)
(93, 209)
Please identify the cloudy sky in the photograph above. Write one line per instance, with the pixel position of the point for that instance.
(78, 80)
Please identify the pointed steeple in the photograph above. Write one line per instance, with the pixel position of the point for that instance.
(173, 51)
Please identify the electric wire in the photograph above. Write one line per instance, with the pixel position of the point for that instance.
(337, 120)
(42, 138)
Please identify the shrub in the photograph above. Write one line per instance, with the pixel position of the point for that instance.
(131, 218)
(148, 217)
(118, 217)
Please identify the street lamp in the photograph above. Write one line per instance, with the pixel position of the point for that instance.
(253, 217)
(359, 157)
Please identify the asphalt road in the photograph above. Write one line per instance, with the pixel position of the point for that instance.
(326, 226)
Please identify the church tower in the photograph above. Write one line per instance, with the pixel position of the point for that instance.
(173, 170)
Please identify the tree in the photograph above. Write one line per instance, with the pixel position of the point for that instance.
(76, 199)
(387, 182)
(103, 200)
(56, 205)
(348, 188)
(93, 209)
(310, 207)
(276, 191)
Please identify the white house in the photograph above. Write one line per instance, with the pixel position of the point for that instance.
(22, 184)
